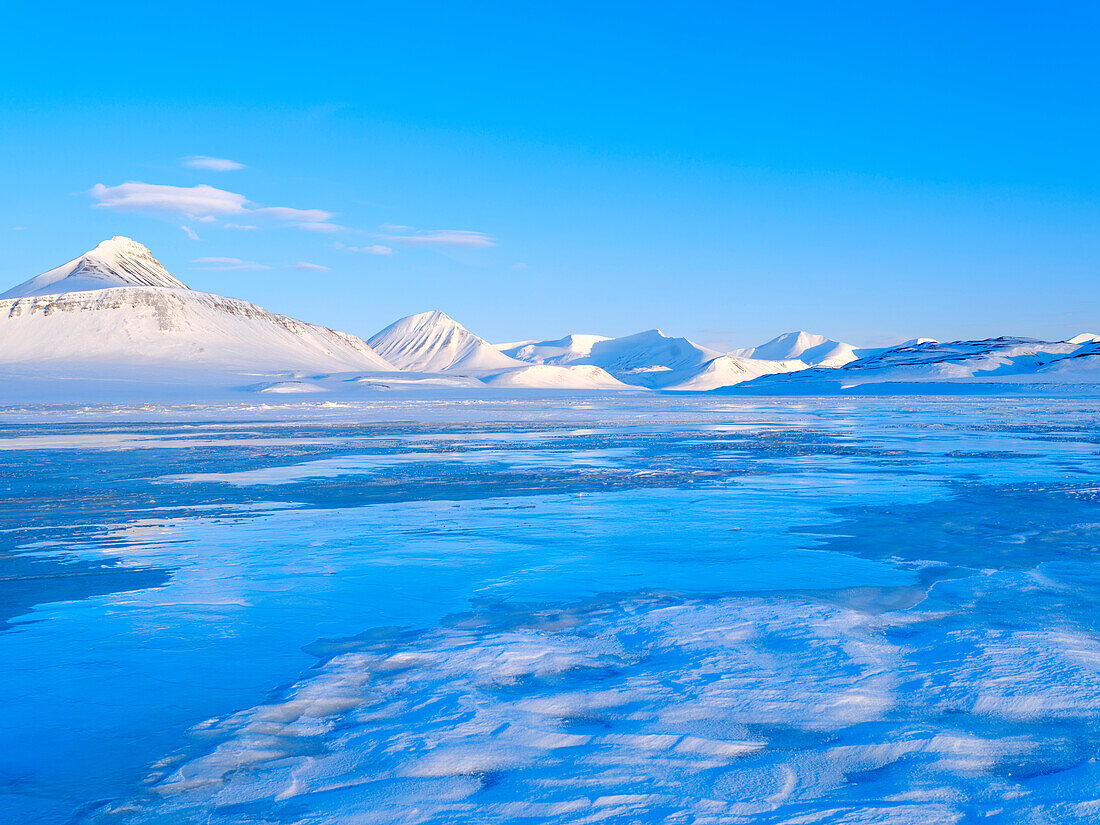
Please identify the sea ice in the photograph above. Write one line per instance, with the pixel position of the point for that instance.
(623, 609)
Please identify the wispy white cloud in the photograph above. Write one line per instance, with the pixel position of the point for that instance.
(306, 266)
(311, 220)
(228, 264)
(286, 213)
(18, 228)
(243, 227)
(394, 227)
(204, 203)
(519, 266)
(191, 233)
(211, 164)
(374, 249)
(445, 237)
(319, 226)
(189, 201)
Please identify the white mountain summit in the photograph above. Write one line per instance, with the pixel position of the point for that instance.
(811, 349)
(117, 305)
(114, 263)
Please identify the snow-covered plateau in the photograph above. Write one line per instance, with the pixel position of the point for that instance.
(114, 323)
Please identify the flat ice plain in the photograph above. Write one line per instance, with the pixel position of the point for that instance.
(552, 609)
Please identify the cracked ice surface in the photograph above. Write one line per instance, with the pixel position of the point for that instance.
(622, 610)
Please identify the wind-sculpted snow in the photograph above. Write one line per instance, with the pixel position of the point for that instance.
(631, 609)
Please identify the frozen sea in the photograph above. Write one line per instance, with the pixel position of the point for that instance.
(575, 609)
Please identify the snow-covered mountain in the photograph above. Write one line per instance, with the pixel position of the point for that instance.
(1005, 360)
(567, 350)
(811, 349)
(435, 342)
(117, 262)
(117, 304)
(649, 359)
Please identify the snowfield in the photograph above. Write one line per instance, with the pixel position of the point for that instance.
(546, 376)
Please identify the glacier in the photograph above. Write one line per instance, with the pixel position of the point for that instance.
(609, 607)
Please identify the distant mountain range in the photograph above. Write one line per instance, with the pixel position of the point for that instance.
(913, 365)
(117, 308)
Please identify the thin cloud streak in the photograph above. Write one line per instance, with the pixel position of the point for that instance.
(210, 164)
(228, 264)
(445, 237)
(374, 249)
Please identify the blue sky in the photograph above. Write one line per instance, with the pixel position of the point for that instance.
(721, 171)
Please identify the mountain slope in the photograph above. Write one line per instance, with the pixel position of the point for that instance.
(149, 324)
(435, 342)
(727, 370)
(117, 262)
(649, 359)
(567, 350)
(136, 313)
(815, 350)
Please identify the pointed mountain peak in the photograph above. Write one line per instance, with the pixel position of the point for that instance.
(433, 342)
(116, 262)
(435, 316)
(118, 245)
